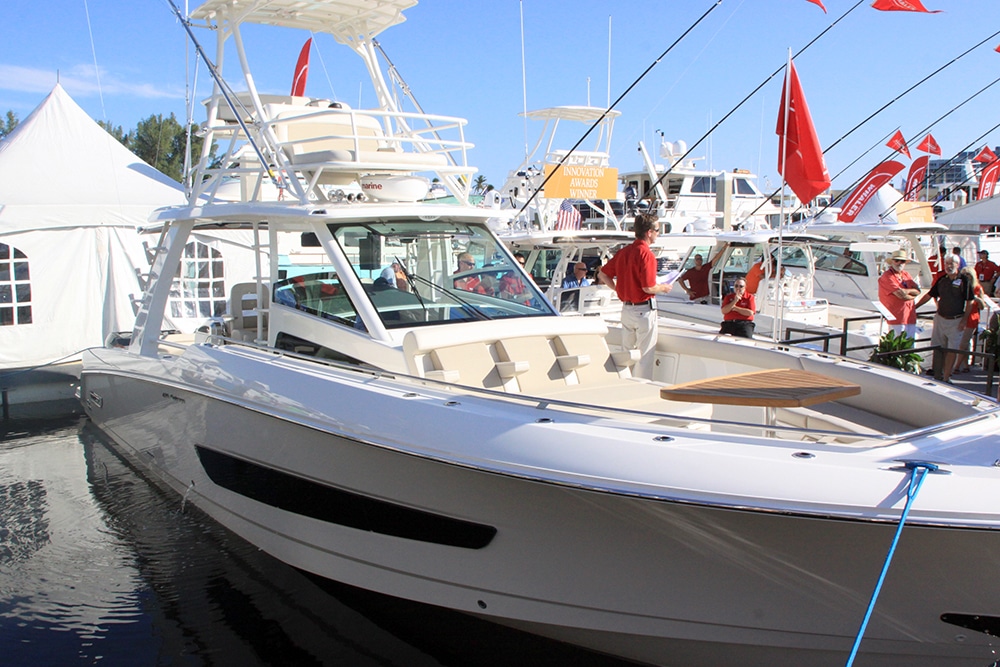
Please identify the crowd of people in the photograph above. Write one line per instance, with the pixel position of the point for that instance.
(958, 292)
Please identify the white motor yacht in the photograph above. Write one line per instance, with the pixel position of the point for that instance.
(688, 198)
(446, 436)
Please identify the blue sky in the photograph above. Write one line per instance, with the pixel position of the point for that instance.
(464, 59)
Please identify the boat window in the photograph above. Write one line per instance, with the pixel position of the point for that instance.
(319, 294)
(15, 287)
(199, 290)
(795, 256)
(425, 272)
(840, 259)
(543, 265)
(739, 260)
(702, 185)
(742, 186)
(703, 250)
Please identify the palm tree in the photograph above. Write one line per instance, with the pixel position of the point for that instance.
(479, 183)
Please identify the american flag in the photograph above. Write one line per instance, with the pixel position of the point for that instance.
(567, 217)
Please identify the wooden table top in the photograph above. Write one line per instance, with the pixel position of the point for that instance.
(776, 388)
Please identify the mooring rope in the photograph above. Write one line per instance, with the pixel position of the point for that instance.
(918, 470)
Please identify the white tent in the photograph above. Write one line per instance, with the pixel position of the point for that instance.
(70, 198)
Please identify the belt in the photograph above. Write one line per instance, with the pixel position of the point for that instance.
(648, 303)
(951, 317)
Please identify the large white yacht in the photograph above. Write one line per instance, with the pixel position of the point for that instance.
(448, 437)
(688, 198)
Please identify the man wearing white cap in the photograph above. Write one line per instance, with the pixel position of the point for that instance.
(897, 291)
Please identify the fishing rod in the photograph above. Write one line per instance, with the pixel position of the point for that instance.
(877, 112)
(666, 173)
(604, 115)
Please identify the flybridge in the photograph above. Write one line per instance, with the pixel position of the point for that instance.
(296, 148)
(346, 20)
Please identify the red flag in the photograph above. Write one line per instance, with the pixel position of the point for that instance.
(902, 6)
(997, 49)
(988, 181)
(986, 155)
(898, 143)
(875, 179)
(301, 70)
(818, 2)
(928, 145)
(804, 170)
(918, 168)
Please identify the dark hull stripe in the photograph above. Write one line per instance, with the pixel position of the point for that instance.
(345, 508)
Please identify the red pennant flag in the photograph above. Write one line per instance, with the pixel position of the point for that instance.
(820, 3)
(301, 70)
(997, 49)
(871, 183)
(913, 180)
(928, 145)
(804, 169)
(902, 6)
(986, 155)
(898, 143)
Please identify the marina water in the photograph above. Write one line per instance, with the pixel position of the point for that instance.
(100, 567)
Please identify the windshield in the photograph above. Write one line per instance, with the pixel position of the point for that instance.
(417, 272)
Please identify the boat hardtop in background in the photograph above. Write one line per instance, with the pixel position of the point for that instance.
(402, 410)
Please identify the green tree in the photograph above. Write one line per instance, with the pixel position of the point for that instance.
(8, 125)
(161, 142)
(479, 183)
(116, 132)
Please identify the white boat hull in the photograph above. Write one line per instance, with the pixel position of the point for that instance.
(640, 575)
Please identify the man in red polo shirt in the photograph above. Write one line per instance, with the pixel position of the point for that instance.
(986, 271)
(632, 274)
(696, 278)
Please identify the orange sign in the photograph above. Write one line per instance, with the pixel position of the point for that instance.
(915, 211)
(581, 182)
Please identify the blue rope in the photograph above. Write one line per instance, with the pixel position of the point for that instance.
(918, 470)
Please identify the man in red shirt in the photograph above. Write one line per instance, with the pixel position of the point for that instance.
(697, 279)
(897, 291)
(738, 308)
(986, 271)
(632, 274)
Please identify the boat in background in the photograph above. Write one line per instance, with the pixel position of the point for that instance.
(694, 200)
(783, 302)
(583, 192)
(411, 416)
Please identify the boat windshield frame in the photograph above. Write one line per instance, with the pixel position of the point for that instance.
(430, 286)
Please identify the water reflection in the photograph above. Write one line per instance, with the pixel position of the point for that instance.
(97, 565)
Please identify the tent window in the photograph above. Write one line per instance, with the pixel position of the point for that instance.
(199, 290)
(15, 289)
